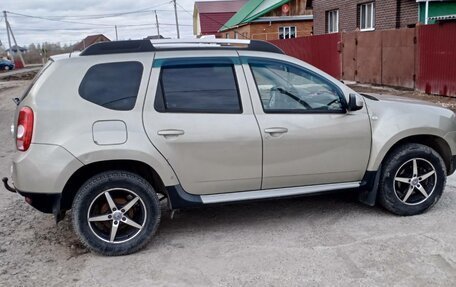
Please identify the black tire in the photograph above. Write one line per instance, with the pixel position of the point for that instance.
(122, 186)
(399, 165)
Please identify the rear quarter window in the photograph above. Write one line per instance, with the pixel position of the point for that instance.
(112, 85)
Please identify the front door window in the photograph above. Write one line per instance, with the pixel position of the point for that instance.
(287, 89)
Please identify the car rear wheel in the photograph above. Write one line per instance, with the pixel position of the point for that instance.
(6, 68)
(116, 213)
(413, 179)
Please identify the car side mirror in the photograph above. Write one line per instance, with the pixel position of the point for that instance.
(354, 103)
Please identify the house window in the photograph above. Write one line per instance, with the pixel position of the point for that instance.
(332, 21)
(227, 35)
(287, 32)
(366, 16)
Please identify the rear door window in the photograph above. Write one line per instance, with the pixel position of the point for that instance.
(112, 85)
(198, 88)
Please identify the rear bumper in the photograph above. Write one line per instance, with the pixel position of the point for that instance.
(44, 202)
(43, 169)
(47, 203)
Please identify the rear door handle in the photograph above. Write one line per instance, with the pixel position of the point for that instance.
(170, 133)
(275, 131)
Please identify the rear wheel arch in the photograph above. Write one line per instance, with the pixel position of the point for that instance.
(78, 178)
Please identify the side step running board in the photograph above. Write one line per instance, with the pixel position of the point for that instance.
(275, 193)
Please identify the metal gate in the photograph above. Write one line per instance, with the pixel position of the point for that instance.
(437, 59)
(380, 57)
(423, 58)
(322, 51)
(398, 58)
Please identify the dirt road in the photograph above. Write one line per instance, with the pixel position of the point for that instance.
(325, 240)
(17, 74)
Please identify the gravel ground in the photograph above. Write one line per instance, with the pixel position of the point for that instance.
(314, 241)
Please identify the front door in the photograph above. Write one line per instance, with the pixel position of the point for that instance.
(198, 114)
(308, 136)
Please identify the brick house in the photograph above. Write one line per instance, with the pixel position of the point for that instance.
(332, 16)
(89, 40)
(209, 16)
(270, 20)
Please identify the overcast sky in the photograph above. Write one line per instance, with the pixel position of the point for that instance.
(93, 18)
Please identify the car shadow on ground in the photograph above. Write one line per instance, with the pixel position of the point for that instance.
(222, 221)
(317, 210)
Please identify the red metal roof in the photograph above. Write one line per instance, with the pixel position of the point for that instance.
(212, 22)
(219, 6)
(214, 14)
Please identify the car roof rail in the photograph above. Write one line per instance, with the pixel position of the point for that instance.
(137, 46)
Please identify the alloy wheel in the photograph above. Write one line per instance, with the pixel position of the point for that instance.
(415, 181)
(116, 215)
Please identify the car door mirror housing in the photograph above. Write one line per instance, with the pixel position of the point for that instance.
(355, 103)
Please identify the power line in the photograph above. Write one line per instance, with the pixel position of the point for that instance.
(103, 16)
(93, 16)
(152, 24)
(22, 28)
(49, 19)
(90, 27)
(85, 23)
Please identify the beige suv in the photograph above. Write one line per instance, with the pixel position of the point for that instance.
(110, 132)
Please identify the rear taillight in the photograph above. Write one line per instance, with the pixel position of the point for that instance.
(24, 129)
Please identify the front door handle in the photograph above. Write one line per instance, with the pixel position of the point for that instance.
(170, 133)
(276, 131)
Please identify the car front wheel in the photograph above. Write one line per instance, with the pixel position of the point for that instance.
(116, 213)
(413, 179)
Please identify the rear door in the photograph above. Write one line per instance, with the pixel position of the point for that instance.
(198, 114)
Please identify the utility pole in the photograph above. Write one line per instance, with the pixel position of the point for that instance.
(17, 46)
(177, 22)
(8, 31)
(117, 37)
(156, 23)
(9, 37)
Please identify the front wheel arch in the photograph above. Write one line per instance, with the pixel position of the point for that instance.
(435, 142)
(398, 185)
(371, 182)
